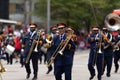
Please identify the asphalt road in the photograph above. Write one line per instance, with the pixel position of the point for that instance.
(79, 71)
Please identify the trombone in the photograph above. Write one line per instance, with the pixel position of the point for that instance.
(59, 49)
(51, 60)
(67, 40)
(32, 46)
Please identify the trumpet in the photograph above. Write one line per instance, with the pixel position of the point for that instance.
(99, 42)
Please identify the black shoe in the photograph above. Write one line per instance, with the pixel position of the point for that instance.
(34, 78)
(16, 61)
(116, 70)
(108, 74)
(99, 78)
(91, 77)
(28, 76)
(48, 71)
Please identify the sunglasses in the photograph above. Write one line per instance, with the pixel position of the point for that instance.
(61, 28)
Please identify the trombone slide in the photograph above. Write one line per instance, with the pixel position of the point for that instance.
(59, 49)
(32, 46)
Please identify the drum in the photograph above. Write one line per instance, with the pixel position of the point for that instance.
(9, 49)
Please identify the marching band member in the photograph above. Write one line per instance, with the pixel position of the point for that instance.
(108, 51)
(117, 51)
(42, 49)
(27, 44)
(50, 50)
(63, 62)
(96, 53)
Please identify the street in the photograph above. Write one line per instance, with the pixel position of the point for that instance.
(80, 70)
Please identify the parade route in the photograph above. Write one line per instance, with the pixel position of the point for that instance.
(80, 70)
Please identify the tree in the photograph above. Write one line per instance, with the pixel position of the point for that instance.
(77, 13)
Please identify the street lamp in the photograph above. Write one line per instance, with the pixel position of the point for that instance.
(48, 16)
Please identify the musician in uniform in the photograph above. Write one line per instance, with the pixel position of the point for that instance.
(63, 61)
(108, 51)
(95, 40)
(117, 51)
(27, 42)
(50, 49)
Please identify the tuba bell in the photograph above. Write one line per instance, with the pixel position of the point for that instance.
(112, 22)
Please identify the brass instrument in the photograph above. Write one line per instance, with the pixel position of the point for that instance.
(67, 40)
(2, 68)
(51, 60)
(48, 41)
(109, 41)
(59, 50)
(36, 47)
(112, 22)
(100, 44)
(46, 45)
(31, 49)
(116, 46)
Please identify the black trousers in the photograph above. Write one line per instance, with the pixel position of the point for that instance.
(34, 58)
(59, 70)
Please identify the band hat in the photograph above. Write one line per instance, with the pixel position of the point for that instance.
(32, 26)
(104, 28)
(95, 28)
(61, 26)
(69, 29)
(54, 28)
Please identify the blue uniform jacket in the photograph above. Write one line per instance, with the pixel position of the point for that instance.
(27, 41)
(67, 57)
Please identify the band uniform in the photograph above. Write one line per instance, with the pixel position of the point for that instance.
(50, 49)
(63, 63)
(27, 42)
(117, 51)
(108, 52)
(95, 58)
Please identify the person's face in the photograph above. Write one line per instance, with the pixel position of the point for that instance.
(61, 30)
(95, 31)
(105, 31)
(32, 29)
(54, 31)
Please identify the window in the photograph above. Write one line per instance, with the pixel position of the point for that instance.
(19, 8)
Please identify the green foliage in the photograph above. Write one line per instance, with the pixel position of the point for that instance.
(77, 13)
